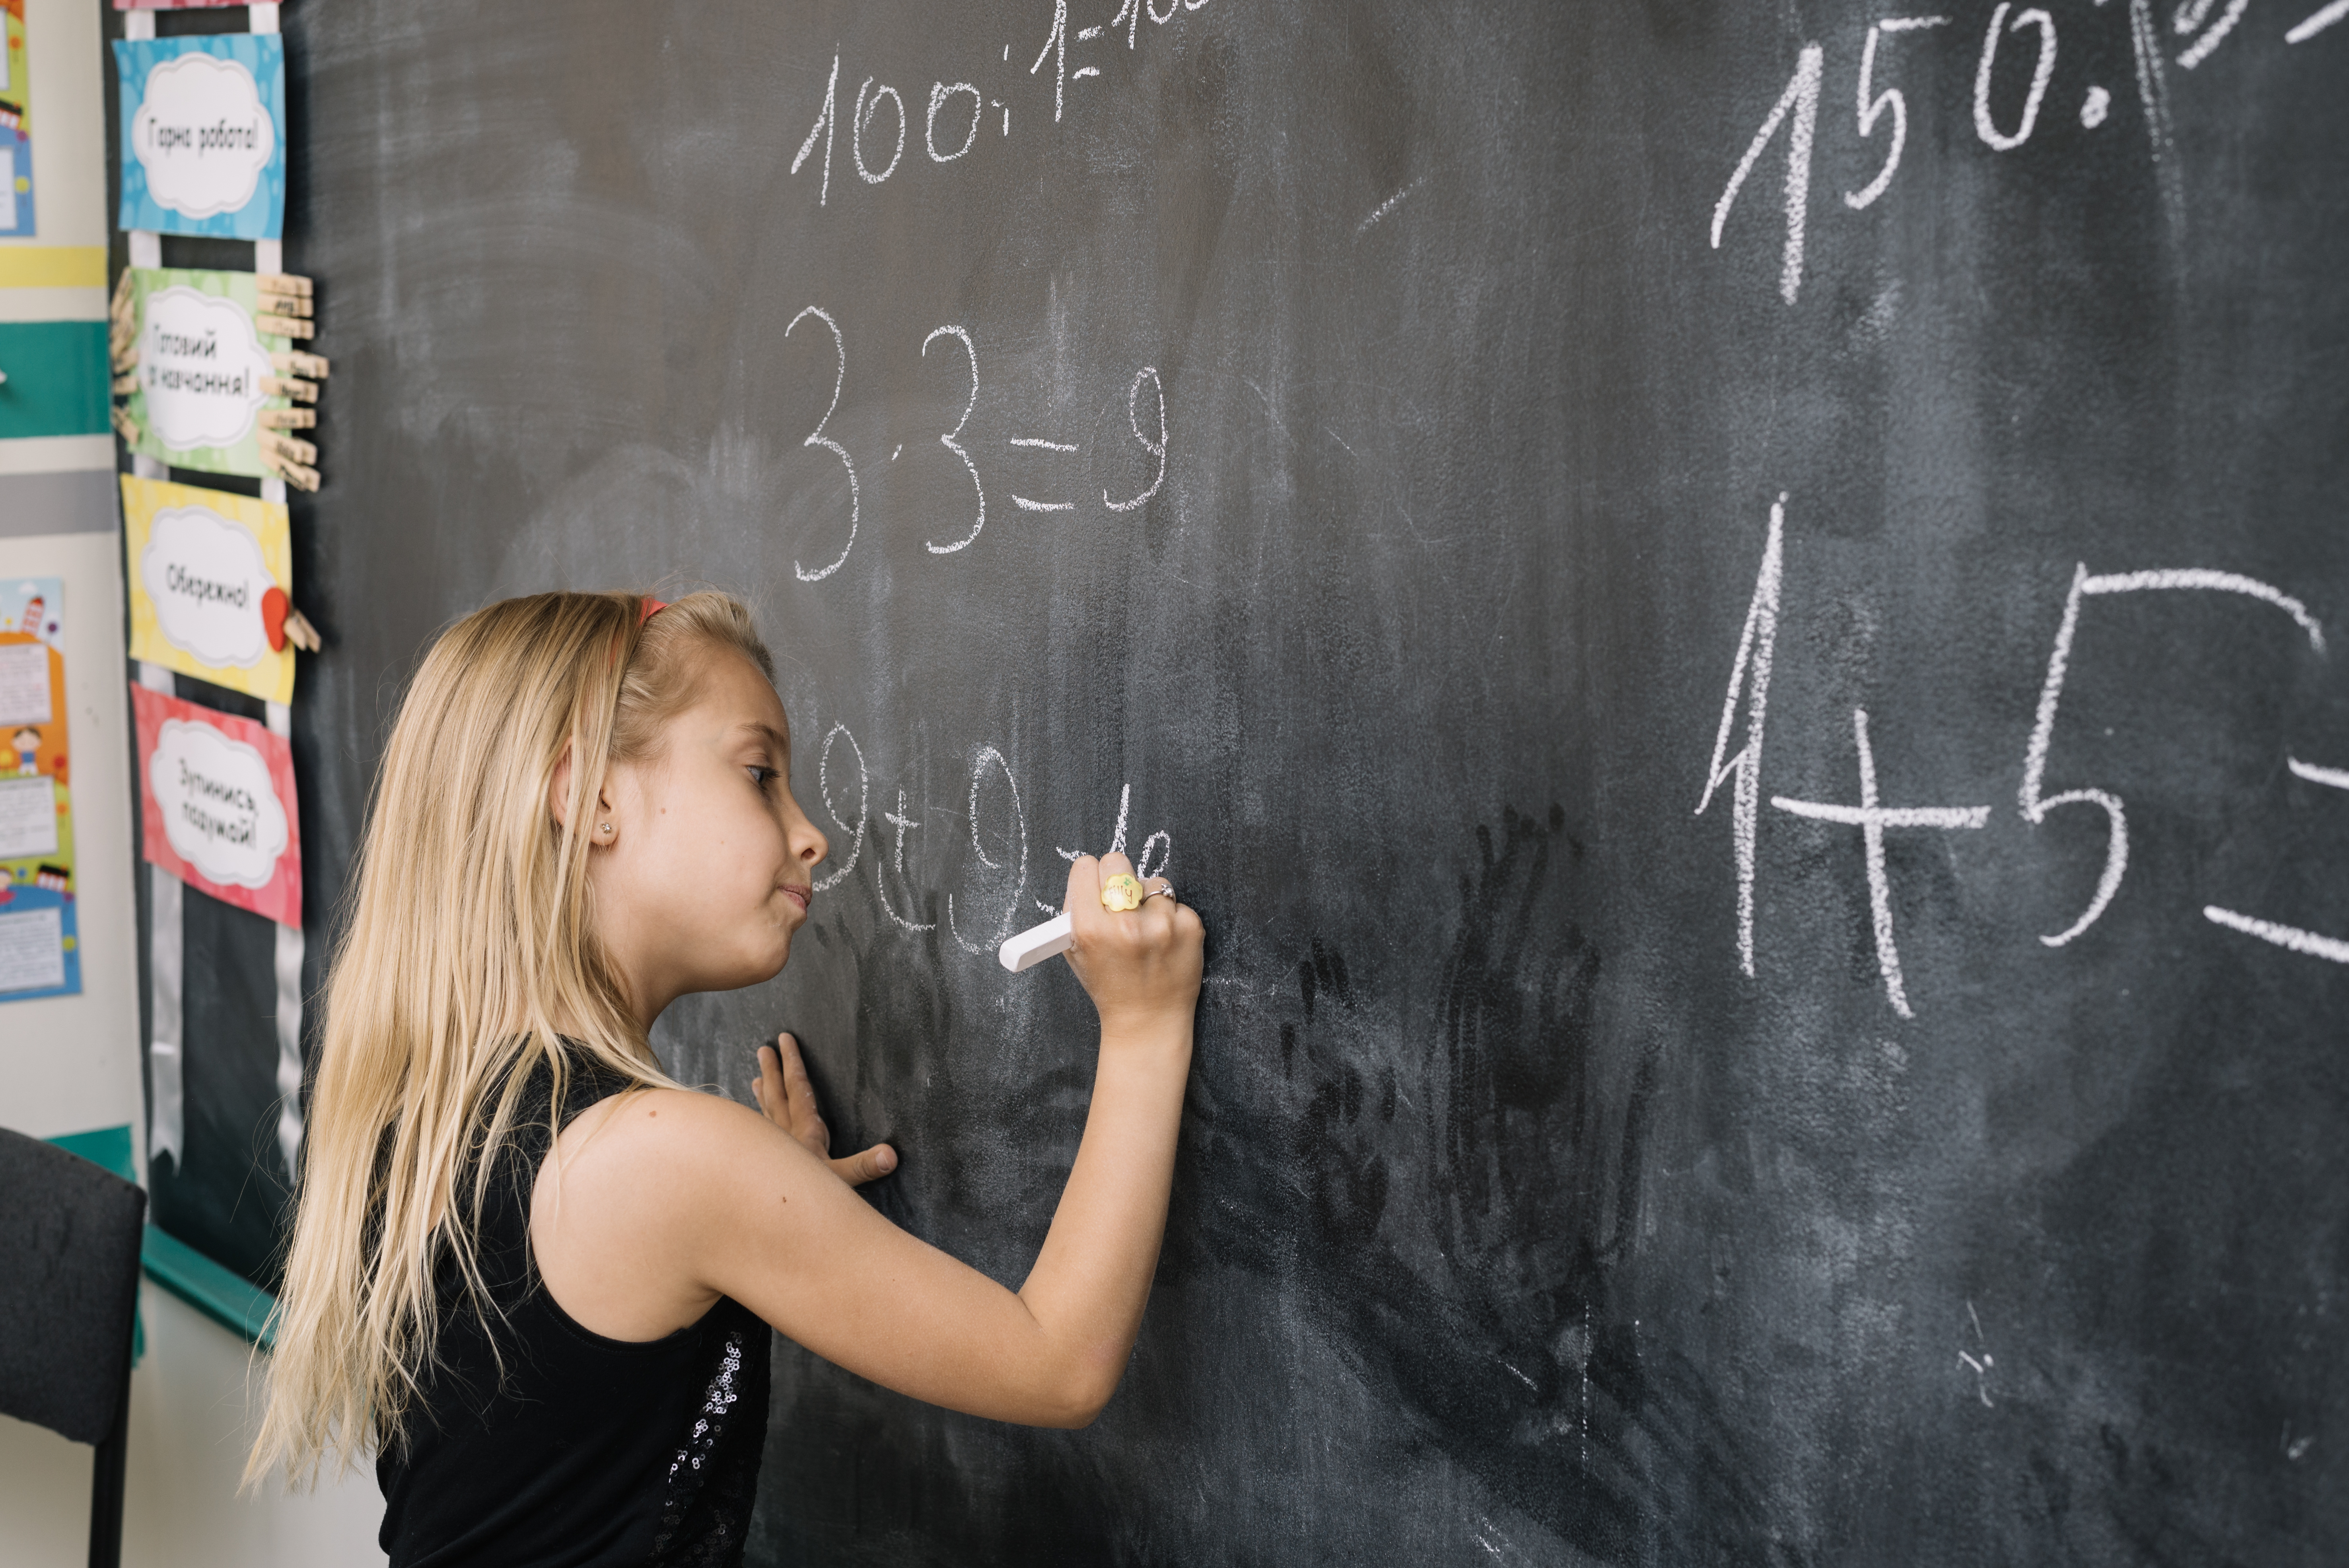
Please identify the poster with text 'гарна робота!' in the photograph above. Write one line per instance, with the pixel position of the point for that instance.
(203, 145)
(38, 933)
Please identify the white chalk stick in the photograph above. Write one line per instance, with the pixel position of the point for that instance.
(1037, 943)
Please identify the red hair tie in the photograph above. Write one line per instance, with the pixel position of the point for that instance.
(652, 607)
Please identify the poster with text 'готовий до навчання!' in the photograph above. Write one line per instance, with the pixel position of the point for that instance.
(39, 937)
(203, 130)
(215, 373)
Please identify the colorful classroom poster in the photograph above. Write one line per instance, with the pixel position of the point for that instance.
(39, 934)
(204, 369)
(15, 125)
(203, 144)
(210, 578)
(216, 797)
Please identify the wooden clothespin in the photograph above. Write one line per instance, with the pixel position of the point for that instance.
(282, 326)
(283, 624)
(293, 448)
(294, 362)
(289, 387)
(301, 476)
(288, 419)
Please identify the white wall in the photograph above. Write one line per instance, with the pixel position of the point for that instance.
(192, 1421)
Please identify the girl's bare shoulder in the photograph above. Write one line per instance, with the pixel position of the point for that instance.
(666, 1125)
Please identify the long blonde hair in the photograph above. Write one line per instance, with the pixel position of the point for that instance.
(467, 958)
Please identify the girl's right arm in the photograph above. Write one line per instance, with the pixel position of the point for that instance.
(677, 1199)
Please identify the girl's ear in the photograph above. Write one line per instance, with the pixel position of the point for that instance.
(604, 830)
(558, 790)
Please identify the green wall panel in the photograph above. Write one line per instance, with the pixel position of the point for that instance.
(56, 379)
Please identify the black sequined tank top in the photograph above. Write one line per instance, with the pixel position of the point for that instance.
(588, 1452)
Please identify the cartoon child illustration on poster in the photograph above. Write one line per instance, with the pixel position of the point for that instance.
(15, 124)
(39, 935)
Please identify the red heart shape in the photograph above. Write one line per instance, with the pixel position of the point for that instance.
(272, 618)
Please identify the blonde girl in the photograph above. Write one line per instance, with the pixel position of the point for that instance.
(531, 1272)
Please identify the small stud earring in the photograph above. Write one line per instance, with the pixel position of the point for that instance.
(605, 828)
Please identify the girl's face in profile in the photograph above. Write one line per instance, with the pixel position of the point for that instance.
(710, 865)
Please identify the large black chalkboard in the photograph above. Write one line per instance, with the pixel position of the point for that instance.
(1515, 1220)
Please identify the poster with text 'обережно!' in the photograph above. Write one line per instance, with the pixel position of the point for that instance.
(211, 576)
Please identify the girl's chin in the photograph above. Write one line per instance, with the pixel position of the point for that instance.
(754, 970)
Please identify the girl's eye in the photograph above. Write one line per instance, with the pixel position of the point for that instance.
(763, 777)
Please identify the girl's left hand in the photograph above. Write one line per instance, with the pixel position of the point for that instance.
(788, 1099)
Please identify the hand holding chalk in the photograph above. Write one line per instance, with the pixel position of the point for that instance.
(1038, 942)
(1058, 935)
(1141, 965)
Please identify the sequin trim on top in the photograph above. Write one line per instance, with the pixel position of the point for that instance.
(695, 1468)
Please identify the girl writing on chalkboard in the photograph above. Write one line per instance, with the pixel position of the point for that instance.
(536, 1274)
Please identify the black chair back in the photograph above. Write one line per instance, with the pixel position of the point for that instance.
(69, 1236)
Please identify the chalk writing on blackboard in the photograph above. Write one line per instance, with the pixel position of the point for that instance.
(948, 442)
(816, 438)
(1751, 676)
(1056, 41)
(1154, 446)
(941, 94)
(2292, 938)
(989, 754)
(2316, 22)
(1156, 449)
(868, 105)
(1873, 106)
(1750, 680)
(904, 824)
(837, 733)
(1802, 100)
(988, 764)
(1982, 1364)
(1871, 818)
(2035, 806)
(866, 110)
(1797, 109)
(2042, 68)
